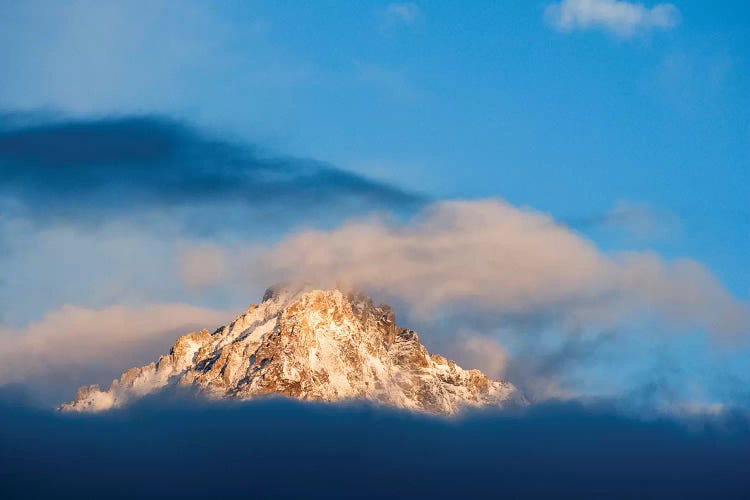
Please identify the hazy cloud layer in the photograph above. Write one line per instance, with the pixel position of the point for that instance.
(490, 257)
(88, 170)
(622, 18)
(203, 266)
(90, 56)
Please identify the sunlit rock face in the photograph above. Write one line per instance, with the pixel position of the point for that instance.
(322, 345)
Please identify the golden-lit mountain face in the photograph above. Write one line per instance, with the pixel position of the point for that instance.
(321, 345)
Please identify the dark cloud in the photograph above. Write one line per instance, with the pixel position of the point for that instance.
(89, 169)
(283, 449)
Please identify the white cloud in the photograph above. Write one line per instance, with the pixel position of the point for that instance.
(622, 18)
(74, 339)
(490, 257)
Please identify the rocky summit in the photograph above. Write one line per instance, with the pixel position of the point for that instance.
(321, 345)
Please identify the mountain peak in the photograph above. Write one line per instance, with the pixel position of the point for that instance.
(309, 344)
(281, 292)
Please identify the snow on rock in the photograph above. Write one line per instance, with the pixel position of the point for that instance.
(322, 345)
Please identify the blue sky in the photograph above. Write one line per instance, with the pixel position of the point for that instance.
(634, 136)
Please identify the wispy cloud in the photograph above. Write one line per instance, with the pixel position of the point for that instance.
(640, 220)
(622, 18)
(400, 14)
(407, 13)
(480, 351)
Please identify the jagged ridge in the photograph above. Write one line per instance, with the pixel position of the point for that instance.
(312, 345)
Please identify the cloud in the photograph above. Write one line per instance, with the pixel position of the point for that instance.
(516, 294)
(159, 449)
(407, 14)
(72, 344)
(94, 169)
(202, 266)
(622, 18)
(490, 258)
(481, 352)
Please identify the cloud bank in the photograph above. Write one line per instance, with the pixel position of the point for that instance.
(282, 449)
(492, 258)
(623, 19)
(75, 345)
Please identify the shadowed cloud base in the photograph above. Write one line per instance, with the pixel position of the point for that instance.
(282, 449)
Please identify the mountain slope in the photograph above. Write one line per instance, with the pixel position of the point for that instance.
(313, 345)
